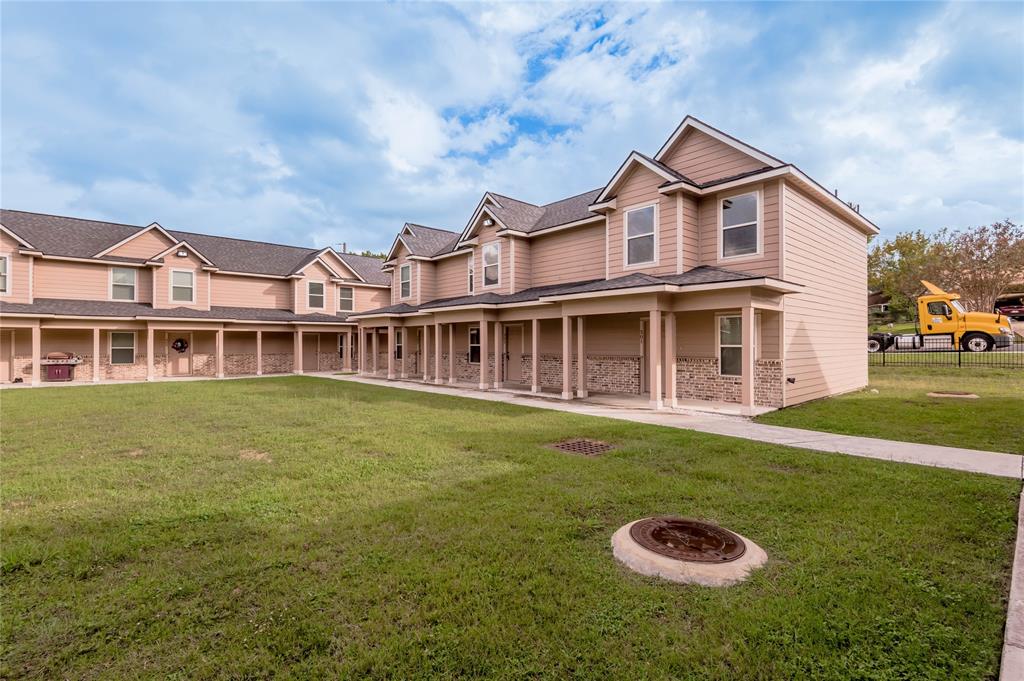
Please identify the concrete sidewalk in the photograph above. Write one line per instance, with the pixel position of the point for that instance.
(971, 460)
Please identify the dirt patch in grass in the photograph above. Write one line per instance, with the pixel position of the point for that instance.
(254, 455)
(135, 453)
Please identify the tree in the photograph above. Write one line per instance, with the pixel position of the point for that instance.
(897, 267)
(371, 254)
(980, 263)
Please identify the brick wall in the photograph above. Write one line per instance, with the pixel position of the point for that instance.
(697, 378)
(605, 374)
(768, 383)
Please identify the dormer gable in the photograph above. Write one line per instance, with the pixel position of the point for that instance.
(484, 211)
(325, 262)
(145, 243)
(181, 249)
(703, 153)
(637, 160)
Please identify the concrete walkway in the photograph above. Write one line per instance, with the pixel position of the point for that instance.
(972, 460)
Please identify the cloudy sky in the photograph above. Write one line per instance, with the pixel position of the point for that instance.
(318, 124)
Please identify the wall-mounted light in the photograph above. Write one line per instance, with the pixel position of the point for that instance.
(488, 222)
(182, 253)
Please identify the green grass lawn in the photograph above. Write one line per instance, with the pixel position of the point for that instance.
(302, 527)
(902, 410)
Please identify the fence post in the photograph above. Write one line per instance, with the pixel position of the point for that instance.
(959, 359)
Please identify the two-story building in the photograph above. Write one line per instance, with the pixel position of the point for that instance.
(710, 272)
(146, 302)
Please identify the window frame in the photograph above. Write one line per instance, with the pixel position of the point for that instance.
(471, 282)
(398, 344)
(626, 265)
(483, 264)
(322, 294)
(758, 193)
(718, 340)
(404, 267)
(351, 299)
(470, 345)
(134, 285)
(6, 290)
(171, 286)
(111, 348)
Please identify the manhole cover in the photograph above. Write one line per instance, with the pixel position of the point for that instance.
(583, 446)
(686, 539)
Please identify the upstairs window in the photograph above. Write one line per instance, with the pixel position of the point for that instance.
(5, 263)
(739, 225)
(640, 240)
(492, 263)
(346, 299)
(122, 347)
(122, 283)
(183, 286)
(472, 283)
(315, 293)
(405, 281)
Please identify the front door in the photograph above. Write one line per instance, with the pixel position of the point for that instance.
(514, 353)
(179, 354)
(311, 352)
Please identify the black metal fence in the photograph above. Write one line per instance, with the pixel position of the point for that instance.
(941, 351)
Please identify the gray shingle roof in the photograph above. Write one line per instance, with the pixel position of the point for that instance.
(104, 308)
(429, 241)
(526, 217)
(75, 237)
(698, 275)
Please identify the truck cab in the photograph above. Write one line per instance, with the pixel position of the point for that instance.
(942, 314)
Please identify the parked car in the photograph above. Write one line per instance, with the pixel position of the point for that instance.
(1012, 307)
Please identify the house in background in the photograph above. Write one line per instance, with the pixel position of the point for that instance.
(710, 272)
(146, 302)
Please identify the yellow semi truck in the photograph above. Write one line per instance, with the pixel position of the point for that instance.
(941, 315)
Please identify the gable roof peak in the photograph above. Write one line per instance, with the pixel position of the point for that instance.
(693, 123)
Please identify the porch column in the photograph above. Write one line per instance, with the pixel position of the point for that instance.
(37, 351)
(437, 354)
(297, 352)
(499, 355)
(485, 354)
(670, 359)
(220, 353)
(375, 349)
(566, 357)
(747, 356)
(581, 359)
(95, 355)
(150, 372)
(654, 330)
(425, 341)
(391, 352)
(346, 361)
(361, 349)
(451, 354)
(535, 362)
(259, 353)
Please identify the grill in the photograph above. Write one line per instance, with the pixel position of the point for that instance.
(687, 539)
(60, 366)
(583, 446)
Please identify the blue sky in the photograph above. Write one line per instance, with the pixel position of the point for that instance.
(327, 123)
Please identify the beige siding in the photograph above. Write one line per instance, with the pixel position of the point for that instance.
(451, 277)
(18, 271)
(84, 281)
(766, 264)
(426, 281)
(520, 251)
(702, 158)
(824, 324)
(371, 298)
(639, 189)
(235, 291)
(402, 258)
(145, 245)
(568, 255)
(486, 235)
(201, 282)
(691, 232)
(315, 272)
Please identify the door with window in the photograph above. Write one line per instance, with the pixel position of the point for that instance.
(939, 318)
(513, 370)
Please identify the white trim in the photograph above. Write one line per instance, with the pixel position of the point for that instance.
(171, 287)
(627, 165)
(593, 219)
(110, 285)
(101, 261)
(719, 316)
(626, 265)
(720, 257)
(323, 294)
(484, 265)
(6, 257)
(461, 251)
(607, 257)
(691, 122)
(152, 226)
(14, 236)
(782, 229)
(679, 233)
(404, 266)
(770, 283)
(110, 347)
(511, 265)
(352, 299)
(476, 212)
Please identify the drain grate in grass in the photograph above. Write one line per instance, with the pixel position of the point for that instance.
(583, 446)
(953, 393)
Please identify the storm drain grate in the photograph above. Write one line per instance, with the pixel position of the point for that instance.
(582, 445)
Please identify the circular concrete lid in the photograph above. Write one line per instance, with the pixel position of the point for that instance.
(640, 559)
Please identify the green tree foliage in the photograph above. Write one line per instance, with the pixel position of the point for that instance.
(898, 265)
